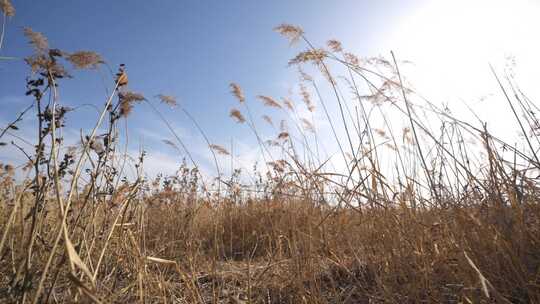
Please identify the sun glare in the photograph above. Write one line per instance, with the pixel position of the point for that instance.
(452, 43)
(446, 38)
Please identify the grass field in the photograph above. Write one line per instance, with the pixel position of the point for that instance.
(415, 214)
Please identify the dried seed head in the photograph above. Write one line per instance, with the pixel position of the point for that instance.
(335, 45)
(168, 100)
(236, 90)
(306, 98)
(380, 60)
(237, 116)
(314, 56)
(219, 149)
(380, 132)
(85, 60)
(127, 99)
(7, 8)
(291, 32)
(43, 63)
(278, 165)
(283, 135)
(376, 99)
(121, 76)
(269, 101)
(352, 59)
(131, 96)
(125, 109)
(97, 146)
(288, 103)
(268, 120)
(308, 125)
(37, 62)
(37, 40)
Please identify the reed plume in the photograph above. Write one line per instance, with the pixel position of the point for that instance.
(37, 40)
(306, 98)
(7, 8)
(85, 60)
(237, 116)
(291, 32)
(269, 101)
(236, 90)
(127, 100)
(334, 45)
(268, 119)
(168, 100)
(219, 149)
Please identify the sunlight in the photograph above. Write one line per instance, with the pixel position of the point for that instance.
(444, 39)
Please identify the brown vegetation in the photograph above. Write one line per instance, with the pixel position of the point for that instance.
(445, 230)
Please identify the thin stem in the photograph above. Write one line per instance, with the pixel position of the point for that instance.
(3, 31)
(409, 115)
(173, 132)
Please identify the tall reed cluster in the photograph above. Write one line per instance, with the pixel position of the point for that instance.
(406, 211)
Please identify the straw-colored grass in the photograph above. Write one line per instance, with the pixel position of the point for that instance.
(444, 225)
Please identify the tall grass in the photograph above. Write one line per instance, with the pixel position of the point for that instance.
(406, 214)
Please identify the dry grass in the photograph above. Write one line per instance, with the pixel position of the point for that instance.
(442, 230)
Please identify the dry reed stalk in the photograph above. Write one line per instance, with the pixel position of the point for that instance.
(301, 231)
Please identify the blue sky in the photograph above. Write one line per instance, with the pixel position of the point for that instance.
(188, 49)
(194, 49)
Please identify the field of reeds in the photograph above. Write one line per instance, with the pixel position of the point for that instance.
(428, 208)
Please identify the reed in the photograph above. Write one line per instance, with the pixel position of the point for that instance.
(409, 213)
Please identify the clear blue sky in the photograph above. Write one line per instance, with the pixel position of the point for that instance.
(189, 49)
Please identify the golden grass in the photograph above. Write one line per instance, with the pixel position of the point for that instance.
(446, 230)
